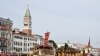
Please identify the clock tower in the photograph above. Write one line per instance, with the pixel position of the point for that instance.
(27, 28)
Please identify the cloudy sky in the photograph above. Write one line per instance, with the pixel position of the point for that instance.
(73, 20)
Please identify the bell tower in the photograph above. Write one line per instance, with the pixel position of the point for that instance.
(27, 28)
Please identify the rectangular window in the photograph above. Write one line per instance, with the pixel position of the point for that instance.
(33, 44)
(25, 38)
(14, 43)
(25, 48)
(31, 49)
(0, 23)
(20, 37)
(25, 24)
(16, 37)
(28, 49)
(21, 43)
(35, 39)
(28, 38)
(14, 48)
(28, 44)
(24, 44)
(2, 34)
(21, 49)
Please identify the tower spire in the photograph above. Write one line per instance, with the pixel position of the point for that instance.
(89, 42)
(27, 13)
(27, 22)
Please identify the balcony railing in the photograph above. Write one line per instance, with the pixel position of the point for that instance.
(2, 27)
(3, 46)
(3, 39)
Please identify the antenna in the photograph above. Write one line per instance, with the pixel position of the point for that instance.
(27, 3)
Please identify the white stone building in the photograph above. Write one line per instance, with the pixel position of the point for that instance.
(14, 40)
(24, 41)
(40, 39)
(77, 46)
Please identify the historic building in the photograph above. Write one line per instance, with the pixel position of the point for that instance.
(5, 34)
(88, 47)
(40, 39)
(24, 41)
(27, 29)
(16, 40)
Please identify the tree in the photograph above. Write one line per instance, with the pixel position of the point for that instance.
(54, 44)
(66, 46)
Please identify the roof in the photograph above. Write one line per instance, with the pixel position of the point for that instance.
(6, 20)
(27, 13)
(21, 33)
(88, 46)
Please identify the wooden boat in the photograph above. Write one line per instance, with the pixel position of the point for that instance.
(43, 51)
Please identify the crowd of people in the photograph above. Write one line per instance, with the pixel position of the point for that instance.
(7, 54)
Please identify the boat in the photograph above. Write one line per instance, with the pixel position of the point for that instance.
(43, 51)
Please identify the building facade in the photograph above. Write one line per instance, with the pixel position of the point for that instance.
(22, 43)
(27, 24)
(14, 40)
(5, 34)
(40, 39)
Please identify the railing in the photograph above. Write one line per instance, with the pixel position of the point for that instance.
(3, 27)
(3, 39)
(3, 46)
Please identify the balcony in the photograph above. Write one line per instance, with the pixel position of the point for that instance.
(3, 46)
(3, 39)
(2, 27)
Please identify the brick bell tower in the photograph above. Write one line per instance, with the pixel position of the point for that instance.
(27, 28)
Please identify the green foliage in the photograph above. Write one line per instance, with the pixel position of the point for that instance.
(54, 44)
(66, 46)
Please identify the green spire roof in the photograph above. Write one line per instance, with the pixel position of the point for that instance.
(27, 13)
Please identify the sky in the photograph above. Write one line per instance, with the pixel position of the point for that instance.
(73, 20)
